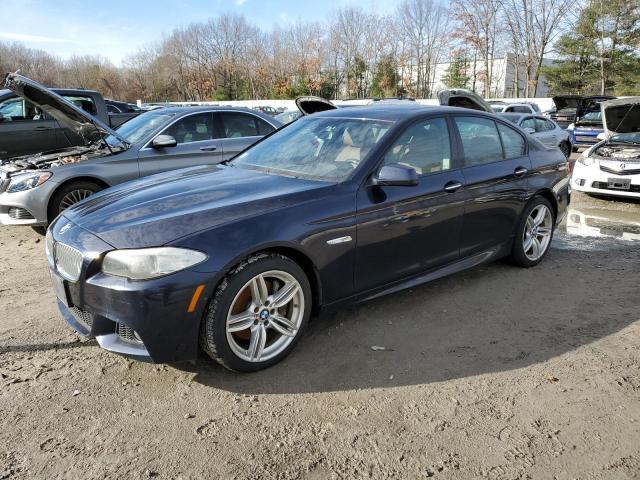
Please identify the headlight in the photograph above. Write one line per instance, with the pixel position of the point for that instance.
(27, 181)
(149, 263)
(583, 159)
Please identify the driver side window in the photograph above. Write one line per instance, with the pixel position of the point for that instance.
(424, 146)
(16, 109)
(192, 128)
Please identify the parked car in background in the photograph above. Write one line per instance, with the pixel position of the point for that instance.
(288, 116)
(34, 189)
(26, 128)
(267, 109)
(527, 107)
(587, 127)
(569, 107)
(544, 129)
(113, 106)
(340, 206)
(612, 166)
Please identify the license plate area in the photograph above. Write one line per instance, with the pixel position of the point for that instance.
(60, 288)
(619, 183)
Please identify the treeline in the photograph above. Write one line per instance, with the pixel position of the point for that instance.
(356, 53)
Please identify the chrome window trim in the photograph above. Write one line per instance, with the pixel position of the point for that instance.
(147, 147)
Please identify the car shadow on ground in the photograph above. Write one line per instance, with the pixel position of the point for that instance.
(490, 319)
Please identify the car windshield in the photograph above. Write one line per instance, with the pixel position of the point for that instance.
(139, 127)
(633, 137)
(315, 148)
(595, 116)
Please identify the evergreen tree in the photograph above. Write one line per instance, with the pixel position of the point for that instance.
(456, 73)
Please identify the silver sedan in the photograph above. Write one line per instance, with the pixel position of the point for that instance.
(545, 130)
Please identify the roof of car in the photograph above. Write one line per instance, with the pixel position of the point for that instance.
(512, 115)
(391, 111)
(208, 108)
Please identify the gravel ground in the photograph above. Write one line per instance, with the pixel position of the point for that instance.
(497, 373)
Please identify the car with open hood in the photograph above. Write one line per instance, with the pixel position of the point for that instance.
(35, 188)
(340, 206)
(27, 129)
(568, 108)
(542, 128)
(612, 166)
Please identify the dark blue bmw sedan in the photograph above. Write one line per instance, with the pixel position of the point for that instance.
(339, 206)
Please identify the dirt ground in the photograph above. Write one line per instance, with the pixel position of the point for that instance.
(497, 373)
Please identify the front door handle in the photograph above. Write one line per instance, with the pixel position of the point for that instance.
(520, 172)
(209, 148)
(452, 186)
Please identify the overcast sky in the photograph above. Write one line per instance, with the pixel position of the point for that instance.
(115, 28)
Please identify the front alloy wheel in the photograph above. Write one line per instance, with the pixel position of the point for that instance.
(257, 314)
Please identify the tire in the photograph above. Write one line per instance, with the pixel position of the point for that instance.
(64, 197)
(236, 343)
(524, 253)
(40, 230)
(566, 149)
(574, 149)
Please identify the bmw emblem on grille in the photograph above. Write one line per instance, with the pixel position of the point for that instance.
(64, 228)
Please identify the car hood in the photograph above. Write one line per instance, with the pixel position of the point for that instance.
(159, 209)
(460, 97)
(88, 127)
(621, 115)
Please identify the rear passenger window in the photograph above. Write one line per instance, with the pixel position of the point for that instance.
(512, 141)
(424, 146)
(480, 140)
(238, 124)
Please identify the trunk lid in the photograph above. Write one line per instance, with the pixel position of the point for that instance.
(310, 104)
(460, 97)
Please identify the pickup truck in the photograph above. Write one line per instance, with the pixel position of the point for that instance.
(26, 129)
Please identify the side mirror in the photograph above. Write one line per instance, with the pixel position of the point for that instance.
(163, 141)
(529, 130)
(396, 175)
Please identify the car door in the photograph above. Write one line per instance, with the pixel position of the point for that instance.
(546, 132)
(496, 167)
(238, 130)
(405, 230)
(195, 145)
(24, 129)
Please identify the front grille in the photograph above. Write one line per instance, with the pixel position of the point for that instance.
(128, 334)
(586, 139)
(605, 186)
(68, 261)
(84, 318)
(18, 213)
(630, 171)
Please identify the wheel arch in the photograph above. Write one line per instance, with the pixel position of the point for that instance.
(548, 194)
(297, 255)
(83, 178)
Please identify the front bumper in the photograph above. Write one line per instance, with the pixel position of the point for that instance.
(590, 179)
(584, 138)
(33, 204)
(147, 320)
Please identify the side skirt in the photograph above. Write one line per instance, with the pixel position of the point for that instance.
(487, 256)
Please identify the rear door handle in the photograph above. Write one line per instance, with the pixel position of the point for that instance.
(520, 172)
(209, 148)
(452, 186)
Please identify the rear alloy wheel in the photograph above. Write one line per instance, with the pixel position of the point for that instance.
(258, 313)
(69, 195)
(534, 235)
